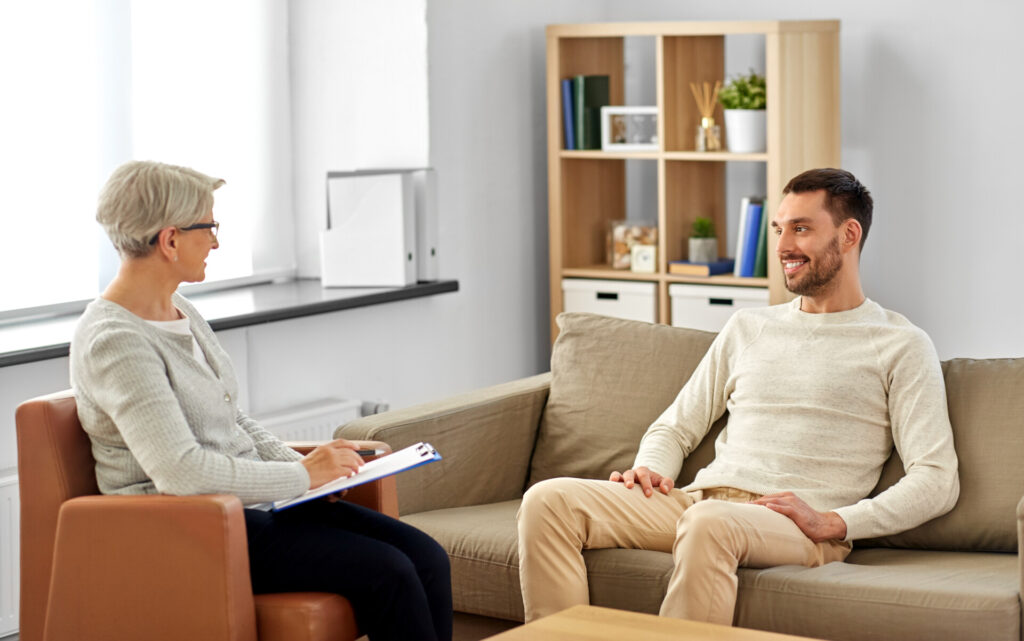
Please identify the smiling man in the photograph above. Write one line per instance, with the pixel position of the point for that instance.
(818, 391)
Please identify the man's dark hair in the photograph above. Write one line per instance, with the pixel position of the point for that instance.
(845, 196)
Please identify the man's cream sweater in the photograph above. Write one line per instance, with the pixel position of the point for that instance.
(816, 403)
(160, 422)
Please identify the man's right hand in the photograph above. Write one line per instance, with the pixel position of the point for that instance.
(648, 480)
(330, 461)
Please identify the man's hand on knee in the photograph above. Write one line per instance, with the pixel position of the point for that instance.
(818, 526)
(648, 480)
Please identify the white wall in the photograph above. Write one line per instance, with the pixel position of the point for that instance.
(360, 101)
(930, 125)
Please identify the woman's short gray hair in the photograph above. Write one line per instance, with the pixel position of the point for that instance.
(143, 197)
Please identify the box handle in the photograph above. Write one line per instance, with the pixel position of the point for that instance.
(607, 296)
(720, 301)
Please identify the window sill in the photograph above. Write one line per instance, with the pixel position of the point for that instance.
(30, 341)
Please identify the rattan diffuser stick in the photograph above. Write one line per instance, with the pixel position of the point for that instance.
(708, 138)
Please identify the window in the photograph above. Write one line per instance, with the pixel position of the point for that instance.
(91, 84)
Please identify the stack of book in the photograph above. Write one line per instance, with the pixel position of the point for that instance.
(688, 268)
(582, 99)
(752, 239)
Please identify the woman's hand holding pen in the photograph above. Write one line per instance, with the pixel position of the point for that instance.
(331, 460)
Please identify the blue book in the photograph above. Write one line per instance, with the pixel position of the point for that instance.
(751, 231)
(568, 114)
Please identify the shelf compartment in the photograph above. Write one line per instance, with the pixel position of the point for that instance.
(682, 60)
(593, 57)
(593, 195)
(691, 190)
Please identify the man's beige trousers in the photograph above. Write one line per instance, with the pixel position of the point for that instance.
(710, 533)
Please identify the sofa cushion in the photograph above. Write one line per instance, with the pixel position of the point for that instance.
(481, 543)
(986, 409)
(876, 594)
(610, 378)
(888, 594)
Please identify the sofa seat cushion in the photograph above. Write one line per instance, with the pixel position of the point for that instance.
(888, 594)
(877, 593)
(628, 579)
(481, 543)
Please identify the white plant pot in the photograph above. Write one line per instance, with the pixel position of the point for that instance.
(745, 130)
(703, 250)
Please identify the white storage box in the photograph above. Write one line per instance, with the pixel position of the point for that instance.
(619, 298)
(708, 307)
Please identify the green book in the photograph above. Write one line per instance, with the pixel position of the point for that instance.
(761, 257)
(577, 109)
(590, 94)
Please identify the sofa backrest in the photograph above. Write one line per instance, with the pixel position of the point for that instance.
(611, 378)
(986, 409)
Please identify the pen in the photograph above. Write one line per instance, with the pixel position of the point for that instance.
(376, 452)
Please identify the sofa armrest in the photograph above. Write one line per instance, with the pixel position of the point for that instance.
(128, 567)
(1020, 542)
(485, 438)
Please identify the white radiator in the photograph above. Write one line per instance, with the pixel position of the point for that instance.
(314, 421)
(10, 518)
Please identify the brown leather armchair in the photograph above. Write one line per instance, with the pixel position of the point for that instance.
(154, 567)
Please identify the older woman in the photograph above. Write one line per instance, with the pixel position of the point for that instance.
(157, 395)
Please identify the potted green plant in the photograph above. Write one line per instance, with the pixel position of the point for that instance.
(703, 243)
(744, 99)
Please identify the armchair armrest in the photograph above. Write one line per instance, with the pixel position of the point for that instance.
(305, 447)
(380, 495)
(137, 567)
(485, 437)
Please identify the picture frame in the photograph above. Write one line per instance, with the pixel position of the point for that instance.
(629, 128)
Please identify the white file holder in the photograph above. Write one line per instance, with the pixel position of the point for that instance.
(371, 236)
(426, 224)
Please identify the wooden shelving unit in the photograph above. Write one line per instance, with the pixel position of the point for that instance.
(587, 189)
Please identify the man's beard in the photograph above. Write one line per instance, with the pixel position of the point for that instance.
(820, 272)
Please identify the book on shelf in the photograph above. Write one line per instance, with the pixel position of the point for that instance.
(744, 205)
(591, 94)
(750, 234)
(746, 239)
(568, 113)
(687, 268)
(761, 257)
(400, 461)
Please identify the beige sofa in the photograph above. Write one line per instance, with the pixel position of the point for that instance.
(956, 577)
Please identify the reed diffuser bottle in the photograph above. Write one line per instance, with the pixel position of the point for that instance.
(709, 135)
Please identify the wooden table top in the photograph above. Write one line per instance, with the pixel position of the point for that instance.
(591, 623)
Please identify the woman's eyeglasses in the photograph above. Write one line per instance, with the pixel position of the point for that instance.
(214, 227)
